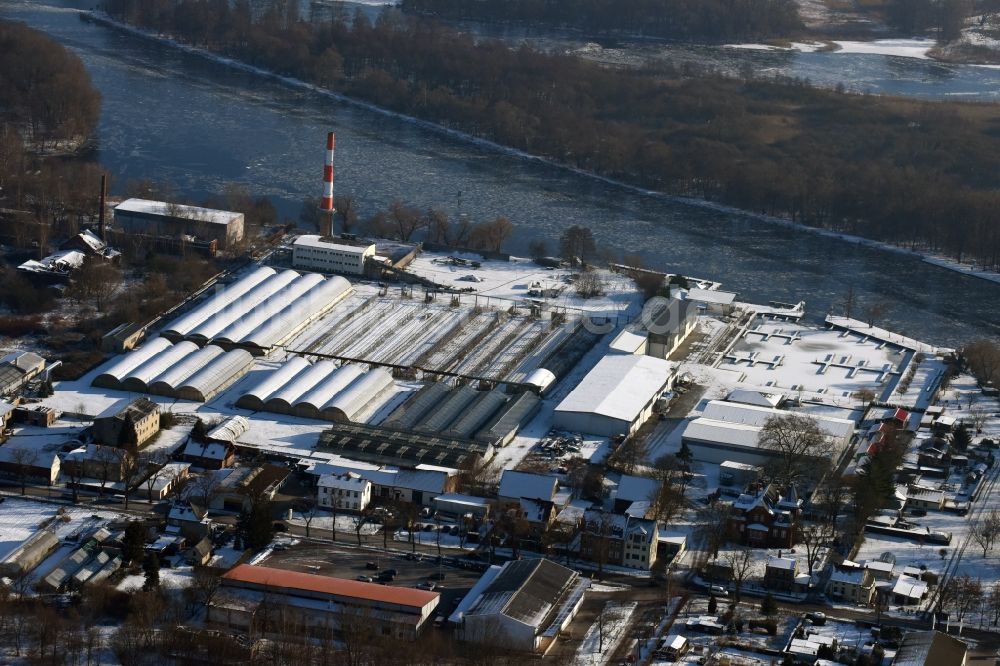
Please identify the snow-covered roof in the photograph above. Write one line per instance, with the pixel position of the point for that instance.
(628, 341)
(162, 208)
(635, 488)
(711, 296)
(909, 587)
(786, 563)
(230, 430)
(720, 432)
(468, 500)
(524, 484)
(759, 398)
(345, 481)
(849, 577)
(25, 361)
(208, 450)
(754, 415)
(619, 386)
(312, 240)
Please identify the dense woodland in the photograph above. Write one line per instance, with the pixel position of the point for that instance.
(673, 19)
(923, 174)
(45, 92)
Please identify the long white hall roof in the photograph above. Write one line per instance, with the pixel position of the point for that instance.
(619, 386)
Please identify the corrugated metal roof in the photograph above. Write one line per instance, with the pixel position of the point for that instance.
(407, 415)
(485, 406)
(526, 590)
(453, 406)
(515, 414)
(340, 587)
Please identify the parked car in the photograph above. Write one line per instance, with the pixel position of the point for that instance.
(428, 585)
(371, 565)
(366, 579)
(440, 575)
(718, 591)
(391, 572)
(413, 557)
(385, 577)
(816, 617)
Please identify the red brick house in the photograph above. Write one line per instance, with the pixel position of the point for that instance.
(765, 519)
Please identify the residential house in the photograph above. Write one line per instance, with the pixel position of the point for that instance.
(908, 591)
(209, 455)
(417, 486)
(238, 488)
(347, 492)
(6, 414)
(190, 520)
(632, 489)
(924, 498)
(882, 571)
(517, 485)
(618, 539)
(854, 585)
(780, 573)
(107, 464)
(129, 427)
(200, 553)
(765, 519)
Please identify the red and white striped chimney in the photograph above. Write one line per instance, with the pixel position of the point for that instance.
(331, 142)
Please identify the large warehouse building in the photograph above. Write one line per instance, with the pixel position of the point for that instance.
(263, 309)
(731, 431)
(319, 390)
(314, 253)
(177, 371)
(616, 397)
(159, 218)
(254, 598)
(521, 606)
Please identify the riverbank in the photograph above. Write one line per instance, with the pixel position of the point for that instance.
(112, 23)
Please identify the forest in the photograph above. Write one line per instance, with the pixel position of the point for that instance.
(45, 92)
(914, 173)
(712, 20)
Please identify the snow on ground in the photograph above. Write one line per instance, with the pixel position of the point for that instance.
(47, 440)
(170, 579)
(607, 632)
(322, 523)
(497, 280)
(901, 48)
(431, 539)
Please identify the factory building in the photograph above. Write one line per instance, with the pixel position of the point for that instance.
(729, 431)
(380, 445)
(265, 600)
(263, 309)
(616, 397)
(313, 253)
(180, 371)
(489, 417)
(521, 606)
(319, 390)
(159, 218)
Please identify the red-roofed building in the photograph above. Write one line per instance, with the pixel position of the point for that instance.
(269, 600)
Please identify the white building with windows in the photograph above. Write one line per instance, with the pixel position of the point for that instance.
(347, 491)
(311, 252)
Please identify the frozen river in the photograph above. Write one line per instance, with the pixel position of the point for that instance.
(177, 117)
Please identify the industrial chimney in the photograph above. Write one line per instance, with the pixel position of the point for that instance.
(326, 223)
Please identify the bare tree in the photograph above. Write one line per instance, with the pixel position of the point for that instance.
(983, 359)
(108, 464)
(155, 464)
(205, 583)
(308, 507)
(986, 530)
(132, 472)
(876, 311)
(800, 448)
(713, 523)
(740, 561)
(979, 414)
(23, 460)
(205, 488)
(814, 536)
(589, 284)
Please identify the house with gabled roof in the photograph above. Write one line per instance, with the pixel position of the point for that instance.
(765, 519)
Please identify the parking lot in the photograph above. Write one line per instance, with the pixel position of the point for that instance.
(344, 562)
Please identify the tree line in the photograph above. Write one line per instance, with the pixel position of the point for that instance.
(909, 172)
(45, 92)
(715, 20)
